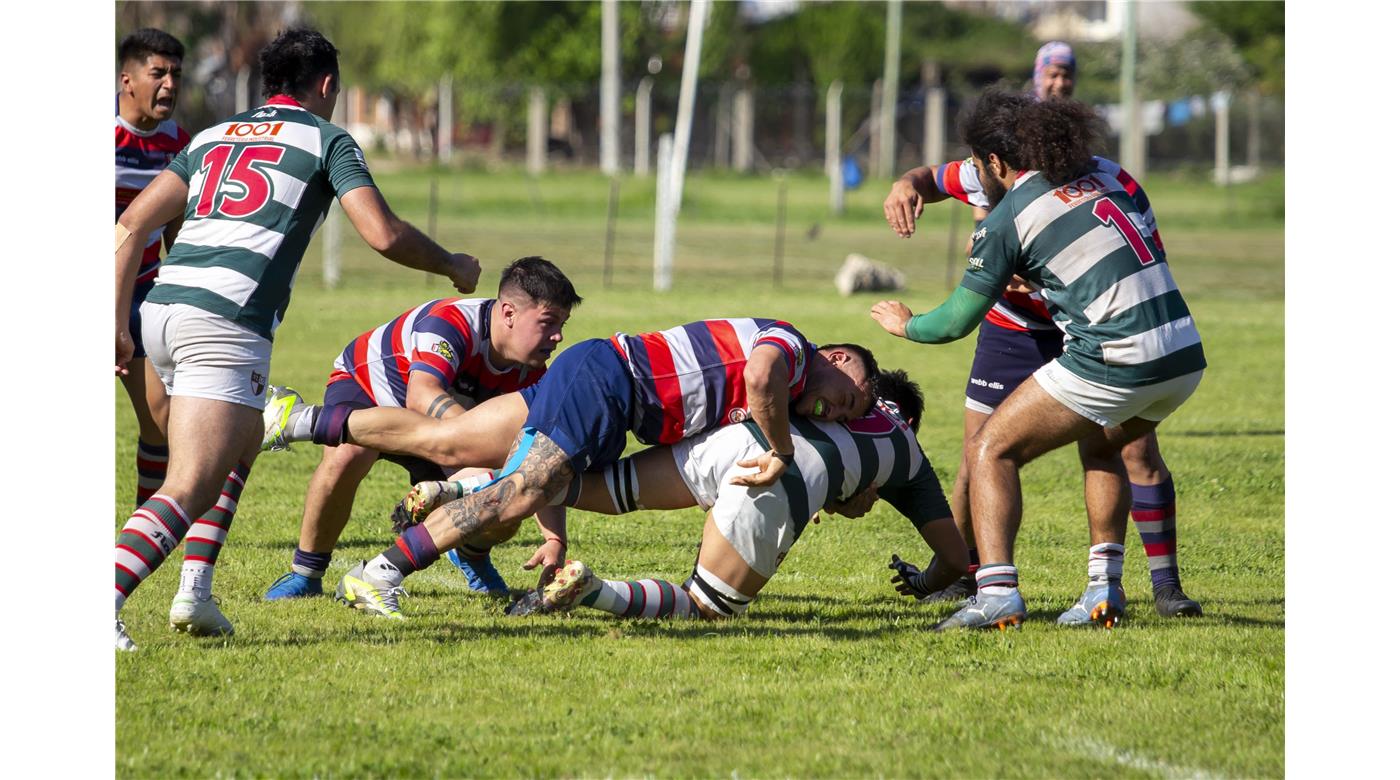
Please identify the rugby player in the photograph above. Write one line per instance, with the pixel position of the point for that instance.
(1132, 353)
(252, 188)
(749, 530)
(1018, 336)
(437, 359)
(662, 386)
(147, 140)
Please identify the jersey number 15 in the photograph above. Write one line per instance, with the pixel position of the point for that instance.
(245, 168)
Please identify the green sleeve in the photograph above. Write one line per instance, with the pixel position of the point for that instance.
(180, 165)
(345, 165)
(957, 317)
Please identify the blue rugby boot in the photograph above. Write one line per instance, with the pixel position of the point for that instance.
(988, 610)
(1103, 603)
(293, 586)
(481, 574)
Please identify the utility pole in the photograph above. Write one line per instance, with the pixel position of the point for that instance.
(888, 100)
(1130, 140)
(611, 92)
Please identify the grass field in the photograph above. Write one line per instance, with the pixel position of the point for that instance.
(830, 673)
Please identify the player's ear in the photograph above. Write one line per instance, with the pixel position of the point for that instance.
(508, 312)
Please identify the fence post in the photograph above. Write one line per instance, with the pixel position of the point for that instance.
(1220, 101)
(664, 236)
(781, 229)
(536, 137)
(641, 154)
(837, 185)
(883, 166)
(872, 164)
(445, 119)
(611, 93)
(330, 231)
(743, 128)
(933, 115)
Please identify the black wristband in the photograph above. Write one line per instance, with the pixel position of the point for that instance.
(786, 459)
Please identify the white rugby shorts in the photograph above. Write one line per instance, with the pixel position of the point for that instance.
(200, 354)
(1111, 406)
(755, 521)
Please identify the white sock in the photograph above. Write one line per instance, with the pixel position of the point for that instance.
(382, 572)
(1105, 562)
(300, 425)
(197, 577)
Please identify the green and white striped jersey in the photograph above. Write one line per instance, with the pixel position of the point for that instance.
(260, 183)
(834, 461)
(1103, 275)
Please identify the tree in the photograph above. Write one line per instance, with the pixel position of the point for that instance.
(1256, 29)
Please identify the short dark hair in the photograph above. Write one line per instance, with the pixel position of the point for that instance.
(294, 60)
(541, 281)
(895, 386)
(991, 126)
(1058, 138)
(867, 359)
(141, 44)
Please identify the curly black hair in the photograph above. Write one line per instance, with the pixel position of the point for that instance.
(295, 60)
(1059, 137)
(991, 126)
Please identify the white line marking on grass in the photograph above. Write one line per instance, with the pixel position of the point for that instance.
(1099, 750)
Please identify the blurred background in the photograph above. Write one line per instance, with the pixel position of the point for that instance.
(462, 82)
(486, 122)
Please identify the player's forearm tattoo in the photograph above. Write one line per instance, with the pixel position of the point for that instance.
(441, 404)
(545, 472)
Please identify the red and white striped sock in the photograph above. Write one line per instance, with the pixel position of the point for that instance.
(152, 460)
(207, 535)
(150, 534)
(642, 598)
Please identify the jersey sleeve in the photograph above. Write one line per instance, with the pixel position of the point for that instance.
(345, 165)
(439, 348)
(1147, 224)
(996, 249)
(921, 499)
(792, 344)
(180, 165)
(958, 179)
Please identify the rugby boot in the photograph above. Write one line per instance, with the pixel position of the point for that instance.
(960, 590)
(987, 610)
(422, 500)
(293, 586)
(1172, 602)
(198, 617)
(572, 582)
(1102, 603)
(481, 574)
(283, 403)
(123, 639)
(359, 592)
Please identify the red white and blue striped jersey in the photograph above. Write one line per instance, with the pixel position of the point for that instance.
(141, 155)
(690, 379)
(1027, 311)
(448, 338)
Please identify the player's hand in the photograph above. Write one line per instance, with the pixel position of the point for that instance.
(465, 271)
(125, 349)
(893, 316)
(770, 468)
(550, 555)
(906, 578)
(858, 505)
(903, 205)
(1019, 285)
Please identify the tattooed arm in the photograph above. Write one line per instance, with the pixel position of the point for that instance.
(426, 395)
(494, 513)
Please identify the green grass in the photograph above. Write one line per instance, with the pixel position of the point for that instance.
(830, 673)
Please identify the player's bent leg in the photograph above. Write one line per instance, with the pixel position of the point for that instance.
(481, 437)
(207, 437)
(330, 497)
(1154, 516)
(1027, 425)
(144, 388)
(1106, 499)
(536, 471)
